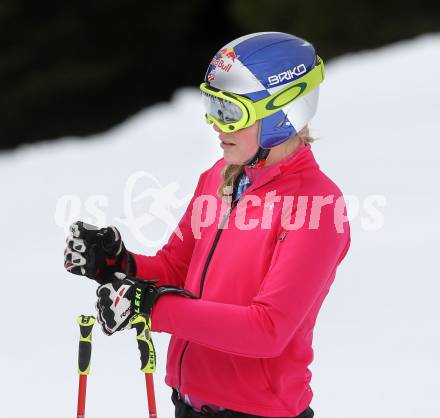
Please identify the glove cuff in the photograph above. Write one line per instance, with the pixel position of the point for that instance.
(144, 296)
(128, 264)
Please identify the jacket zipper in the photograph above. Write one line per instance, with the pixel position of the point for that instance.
(202, 283)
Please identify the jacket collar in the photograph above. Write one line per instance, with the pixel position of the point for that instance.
(301, 161)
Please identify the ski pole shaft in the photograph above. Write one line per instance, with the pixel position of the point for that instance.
(82, 389)
(142, 324)
(84, 355)
(151, 396)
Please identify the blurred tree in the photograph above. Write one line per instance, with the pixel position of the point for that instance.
(339, 26)
(78, 67)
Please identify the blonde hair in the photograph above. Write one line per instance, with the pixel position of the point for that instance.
(231, 172)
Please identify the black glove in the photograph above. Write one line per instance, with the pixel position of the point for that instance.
(125, 297)
(96, 253)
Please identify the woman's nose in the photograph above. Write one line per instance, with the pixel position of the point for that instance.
(216, 128)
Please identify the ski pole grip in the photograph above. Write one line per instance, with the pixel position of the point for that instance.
(142, 324)
(85, 343)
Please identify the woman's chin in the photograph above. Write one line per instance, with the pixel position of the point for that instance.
(231, 159)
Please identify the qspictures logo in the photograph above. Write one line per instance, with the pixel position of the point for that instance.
(152, 210)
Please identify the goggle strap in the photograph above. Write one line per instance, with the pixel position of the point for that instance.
(291, 92)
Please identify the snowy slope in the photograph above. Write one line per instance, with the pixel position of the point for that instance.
(377, 338)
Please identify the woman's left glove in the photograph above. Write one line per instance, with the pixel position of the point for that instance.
(125, 297)
(97, 253)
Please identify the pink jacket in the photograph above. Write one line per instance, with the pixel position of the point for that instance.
(246, 343)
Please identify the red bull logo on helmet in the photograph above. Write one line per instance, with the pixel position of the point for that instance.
(226, 59)
(228, 53)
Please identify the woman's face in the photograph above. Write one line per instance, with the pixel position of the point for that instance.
(240, 146)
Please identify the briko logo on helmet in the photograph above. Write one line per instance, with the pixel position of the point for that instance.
(288, 75)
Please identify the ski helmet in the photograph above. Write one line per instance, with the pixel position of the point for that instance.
(266, 65)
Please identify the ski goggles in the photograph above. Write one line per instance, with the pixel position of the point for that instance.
(231, 112)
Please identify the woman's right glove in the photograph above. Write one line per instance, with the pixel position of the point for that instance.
(97, 253)
(125, 297)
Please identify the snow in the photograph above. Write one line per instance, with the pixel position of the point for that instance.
(377, 338)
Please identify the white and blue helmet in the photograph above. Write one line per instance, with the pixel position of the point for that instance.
(259, 65)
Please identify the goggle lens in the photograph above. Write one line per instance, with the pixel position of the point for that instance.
(221, 109)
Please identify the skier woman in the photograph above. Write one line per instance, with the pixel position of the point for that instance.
(256, 250)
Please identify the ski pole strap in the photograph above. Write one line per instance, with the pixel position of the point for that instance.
(142, 324)
(85, 343)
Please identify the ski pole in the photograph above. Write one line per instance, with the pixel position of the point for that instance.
(142, 324)
(84, 354)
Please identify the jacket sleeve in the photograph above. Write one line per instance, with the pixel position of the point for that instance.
(302, 269)
(170, 264)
